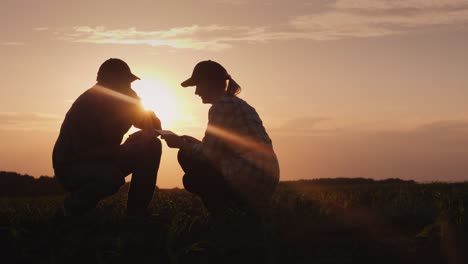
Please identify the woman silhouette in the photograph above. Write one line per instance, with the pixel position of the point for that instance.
(235, 163)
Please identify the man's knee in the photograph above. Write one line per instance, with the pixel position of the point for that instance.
(155, 145)
(146, 147)
(153, 152)
(151, 146)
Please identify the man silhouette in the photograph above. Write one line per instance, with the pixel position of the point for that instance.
(89, 160)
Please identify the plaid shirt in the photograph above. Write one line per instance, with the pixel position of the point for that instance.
(237, 144)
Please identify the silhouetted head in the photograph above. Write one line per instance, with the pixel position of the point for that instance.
(212, 81)
(115, 73)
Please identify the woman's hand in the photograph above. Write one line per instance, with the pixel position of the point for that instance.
(180, 142)
(190, 139)
(175, 141)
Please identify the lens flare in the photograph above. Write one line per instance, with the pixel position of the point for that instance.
(160, 99)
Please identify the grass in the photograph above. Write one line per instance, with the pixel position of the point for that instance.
(322, 221)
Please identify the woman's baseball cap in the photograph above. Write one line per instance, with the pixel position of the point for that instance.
(206, 70)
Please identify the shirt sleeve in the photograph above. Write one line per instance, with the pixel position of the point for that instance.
(135, 110)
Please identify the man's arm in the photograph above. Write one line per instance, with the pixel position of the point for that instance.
(146, 120)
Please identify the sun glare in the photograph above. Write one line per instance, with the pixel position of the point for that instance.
(161, 100)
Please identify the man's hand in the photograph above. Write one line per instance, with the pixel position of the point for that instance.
(150, 121)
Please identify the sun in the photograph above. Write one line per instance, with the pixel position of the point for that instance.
(159, 98)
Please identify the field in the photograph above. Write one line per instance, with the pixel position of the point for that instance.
(316, 221)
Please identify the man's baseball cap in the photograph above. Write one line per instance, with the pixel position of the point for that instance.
(206, 70)
(115, 69)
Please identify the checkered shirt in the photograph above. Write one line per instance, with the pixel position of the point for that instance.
(237, 144)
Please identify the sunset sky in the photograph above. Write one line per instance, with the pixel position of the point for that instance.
(345, 88)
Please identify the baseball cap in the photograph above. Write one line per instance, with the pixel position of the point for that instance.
(113, 69)
(206, 70)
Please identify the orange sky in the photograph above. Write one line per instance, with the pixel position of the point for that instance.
(345, 88)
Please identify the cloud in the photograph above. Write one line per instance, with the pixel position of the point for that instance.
(452, 125)
(29, 121)
(41, 28)
(307, 126)
(13, 43)
(305, 122)
(232, 2)
(374, 18)
(211, 37)
(333, 20)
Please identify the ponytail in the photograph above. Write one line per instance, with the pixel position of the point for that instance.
(233, 88)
